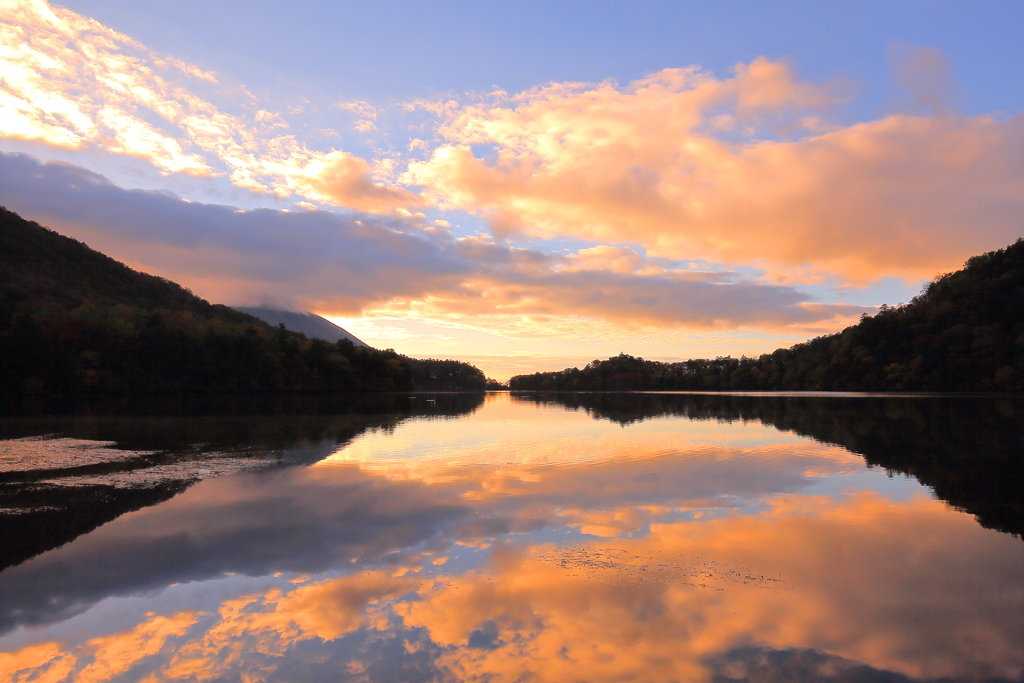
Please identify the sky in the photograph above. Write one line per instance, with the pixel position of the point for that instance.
(526, 186)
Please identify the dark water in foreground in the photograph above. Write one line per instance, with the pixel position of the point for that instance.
(589, 537)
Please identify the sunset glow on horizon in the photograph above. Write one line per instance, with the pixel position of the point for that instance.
(532, 188)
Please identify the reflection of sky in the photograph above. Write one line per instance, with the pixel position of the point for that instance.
(506, 432)
(526, 541)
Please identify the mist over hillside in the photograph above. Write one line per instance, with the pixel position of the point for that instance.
(309, 324)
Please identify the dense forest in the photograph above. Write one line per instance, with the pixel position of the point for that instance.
(76, 322)
(964, 332)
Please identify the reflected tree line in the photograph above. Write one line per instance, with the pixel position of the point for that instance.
(42, 513)
(968, 450)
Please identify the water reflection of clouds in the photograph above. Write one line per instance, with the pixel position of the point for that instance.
(418, 563)
(503, 432)
(529, 451)
(824, 581)
(250, 524)
(849, 568)
(368, 512)
(315, 519)
(524, 461)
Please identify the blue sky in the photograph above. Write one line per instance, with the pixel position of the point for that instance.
(573, 179)
(397, 50)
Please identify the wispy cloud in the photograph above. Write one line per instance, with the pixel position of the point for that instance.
(70, 82)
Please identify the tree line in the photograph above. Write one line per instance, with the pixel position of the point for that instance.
(964, 332)
(76, 322)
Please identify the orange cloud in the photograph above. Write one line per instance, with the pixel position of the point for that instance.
(270, 624)
(343, 179)
(688, 165)
(340, 264)
(50, 57)
(107, 657)
(43, 663)
(267, 624)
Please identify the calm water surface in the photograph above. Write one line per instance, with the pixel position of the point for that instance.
(590, 537)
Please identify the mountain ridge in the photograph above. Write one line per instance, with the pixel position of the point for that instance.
(43, 269)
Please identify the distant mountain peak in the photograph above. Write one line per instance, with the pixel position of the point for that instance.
(309, 324)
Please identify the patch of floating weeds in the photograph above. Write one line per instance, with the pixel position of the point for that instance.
(51, 452)
(182, 470)
(618, 566)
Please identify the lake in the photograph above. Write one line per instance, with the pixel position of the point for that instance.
(523, 537)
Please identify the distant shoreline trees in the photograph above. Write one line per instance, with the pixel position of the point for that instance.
(964, 332)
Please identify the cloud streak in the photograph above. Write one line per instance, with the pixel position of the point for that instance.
(351, 263)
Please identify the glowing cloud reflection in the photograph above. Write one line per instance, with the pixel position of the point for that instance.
(527, 541)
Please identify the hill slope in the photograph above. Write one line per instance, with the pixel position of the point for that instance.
(74, 321)
(40, 268)
(964, 332)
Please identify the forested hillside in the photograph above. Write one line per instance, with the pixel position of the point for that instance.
(74, 321)
(964, 332)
